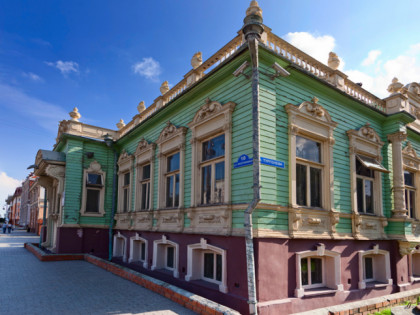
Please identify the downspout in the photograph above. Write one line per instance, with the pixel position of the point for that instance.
(252, 30)
(114, 189)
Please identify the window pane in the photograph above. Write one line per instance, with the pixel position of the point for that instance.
(143, 251)
(411, 206)
(146, 172)
(92, 200)
(363, 171)
(301, 184)
(219, 185)
(125, 200)
(94, 179)
(214, 148)
(304, 271)
(176, 190)
(145, 196)
(126, 179)
(209, 265)
(219, 267)
(315, 177)
(316, 270)
(369, 196)
(360, 196)
(408, 178)
(308, 149)
(368, 268)
(205, 184)
(173, 162)
(169, 191)
(170, 256)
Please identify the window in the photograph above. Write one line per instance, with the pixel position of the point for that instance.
(213, 170)
(93, 191)
(144, 184)
(414, 265)
(311, 156)
(165, 255)
(365, 180)
(410, 194)
(318, 270)
(125, 162)
(171, 145)
(172, 181)
(138, 250)
(211, 142)
(374, 268)
(208, 263)
(309, 170)
(119, 250)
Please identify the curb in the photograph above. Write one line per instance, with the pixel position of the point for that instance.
(189, 300)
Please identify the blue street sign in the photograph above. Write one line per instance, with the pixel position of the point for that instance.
(275, 163)
(243, 160)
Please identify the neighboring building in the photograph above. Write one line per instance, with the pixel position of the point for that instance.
(8, 207)
(14, 215)
(333, 181)
(25, 201)
(36, 204)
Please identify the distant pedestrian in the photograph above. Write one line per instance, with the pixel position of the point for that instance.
(9, 228)
(4, 226)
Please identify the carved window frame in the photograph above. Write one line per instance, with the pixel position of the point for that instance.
(366, 142)
(125, 162)
(331, 261)
(381, 262)
(312, 121)
(159, 255)
(133, 259)
(411, 163)
(171, 141)
(94, 168)
(211, 120)
(116, 249)
(144, 155)
(195, 263)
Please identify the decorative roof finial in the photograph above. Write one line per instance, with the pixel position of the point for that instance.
(164, 88)
(253, 21)
(141, 107)
(196, 60)
(75, 115)
(333, 61)
(121, 124)
(395, 87)
(254, 8)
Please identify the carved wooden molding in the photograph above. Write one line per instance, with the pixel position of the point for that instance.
(209, 110)
(170, 131)
(369, 227)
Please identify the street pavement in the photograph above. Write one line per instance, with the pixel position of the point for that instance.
(29, 286)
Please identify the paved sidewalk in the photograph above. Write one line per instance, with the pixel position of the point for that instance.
(29, 286)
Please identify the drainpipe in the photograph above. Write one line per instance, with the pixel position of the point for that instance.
(110, 143)
(252, 30)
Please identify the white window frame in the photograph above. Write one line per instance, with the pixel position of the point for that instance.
(171, 141)
(125, 163)
(381, 267)
(159, 255)
(312, 121)
(94, 168)
(195, 263)
(137, 258)
(411, 163)
(211, 120)
(330, 258)
(144, 154)
(414, 265)
(116, 250)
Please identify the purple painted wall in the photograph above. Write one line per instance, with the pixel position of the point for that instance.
(82, 240)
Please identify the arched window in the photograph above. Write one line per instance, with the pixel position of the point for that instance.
(119, 249)
(165, 255)
(374, 268)
(138, 250)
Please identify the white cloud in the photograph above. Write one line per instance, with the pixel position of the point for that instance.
(148, 68)
(65, 67)
(45, 114)
(371, 58)
(317, 47)
(32, 76)
(7, 187)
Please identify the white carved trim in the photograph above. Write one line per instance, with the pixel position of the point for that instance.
(94, 168)
(159, 256)
(377, 266)
(117, 249)
(137, 239)
(144, 154)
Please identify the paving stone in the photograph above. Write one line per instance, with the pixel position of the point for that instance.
(29, 286)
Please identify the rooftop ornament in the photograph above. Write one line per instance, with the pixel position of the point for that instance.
(197, 60)
(164, 88)
(75, 115)
(395, 87)
(120, 124)
(141, 107)
(254, 9)
(333, 61)
(253, 21)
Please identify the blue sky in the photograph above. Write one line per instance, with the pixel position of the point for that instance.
(106, 56)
